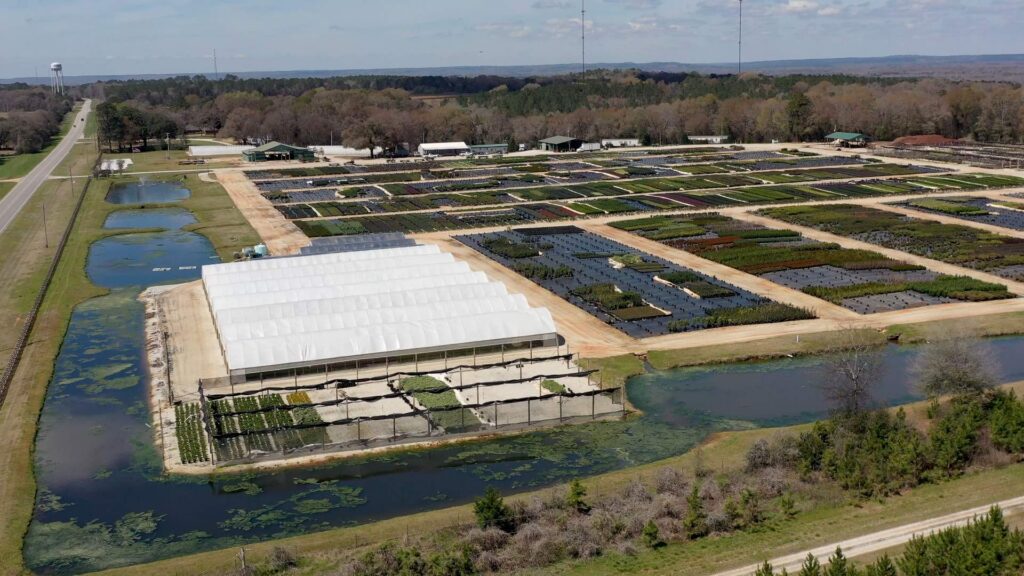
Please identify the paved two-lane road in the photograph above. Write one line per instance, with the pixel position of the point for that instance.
(15, 200)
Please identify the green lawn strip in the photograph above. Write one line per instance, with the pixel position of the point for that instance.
(614, 370)
(774, 347)
(445, 409)
(6, 187)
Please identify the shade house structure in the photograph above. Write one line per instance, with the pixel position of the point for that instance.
(324, 312)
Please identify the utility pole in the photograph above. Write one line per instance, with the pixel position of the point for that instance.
(739, 58)
(215, 73)
(167, 138)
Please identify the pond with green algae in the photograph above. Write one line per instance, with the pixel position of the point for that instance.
(103, 501)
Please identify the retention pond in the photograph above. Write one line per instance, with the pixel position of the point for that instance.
(103, 501)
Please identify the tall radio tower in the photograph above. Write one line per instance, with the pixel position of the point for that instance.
(739, 56)
(583, 37)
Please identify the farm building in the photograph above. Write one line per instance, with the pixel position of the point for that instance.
(713, 139)
(443, 149)
(560, 144)
(277, 151)
(325, 312)
(847, 139)
(620, 142)
(487, 149)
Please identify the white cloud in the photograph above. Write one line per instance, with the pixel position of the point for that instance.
(509, 30)
(549, 4)
(798, 6)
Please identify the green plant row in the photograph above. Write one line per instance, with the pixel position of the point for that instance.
(188, 428)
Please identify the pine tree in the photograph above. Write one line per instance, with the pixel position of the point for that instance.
(695, 524)
(575, 497)
(787, 505)
(765, 569)
(838, 565)
(811, 566)
(491, 511)
(882, 567)
(651, 535)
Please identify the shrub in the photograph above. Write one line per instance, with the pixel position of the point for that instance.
(695, 524)
(492, 512)
(608, 297)
(505, 247)
(651, 536)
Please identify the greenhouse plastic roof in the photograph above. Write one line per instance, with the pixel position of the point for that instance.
(284, 312)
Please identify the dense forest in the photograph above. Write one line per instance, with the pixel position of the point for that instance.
(29, 117)
(660, 108)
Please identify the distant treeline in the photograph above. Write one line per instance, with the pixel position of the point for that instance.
(657, 107)
(30, 117)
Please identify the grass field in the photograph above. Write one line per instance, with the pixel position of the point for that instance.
(217, 219)
(5, 187)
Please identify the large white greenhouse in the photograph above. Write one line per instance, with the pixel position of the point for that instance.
(324, 312)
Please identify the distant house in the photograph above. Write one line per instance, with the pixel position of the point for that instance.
(620, 142)
(443, 149)
(560, 144)
(278, 151)
(719, 139)
(848, 139)
(488, 149)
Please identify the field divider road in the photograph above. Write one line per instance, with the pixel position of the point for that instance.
(749, 282)
(934, 265)
(33, 313)
(13, 202)
(882, 540)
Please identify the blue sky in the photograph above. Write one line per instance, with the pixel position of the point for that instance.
(167, 36)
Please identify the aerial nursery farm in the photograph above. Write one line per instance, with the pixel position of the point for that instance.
(637, 293)
(863, 281)
(466, 194)
(1003, 213)
(951, 243)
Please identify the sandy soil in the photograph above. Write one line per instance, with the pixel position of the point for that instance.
(281, 236)
(192, 344)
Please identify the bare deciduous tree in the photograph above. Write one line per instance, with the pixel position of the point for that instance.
(851, 372)
(957, 363)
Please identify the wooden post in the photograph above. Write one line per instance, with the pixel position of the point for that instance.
(559, 407)
(529, 419)
(593, 407)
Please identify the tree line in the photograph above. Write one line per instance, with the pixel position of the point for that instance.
(657, 108)
(30, 117)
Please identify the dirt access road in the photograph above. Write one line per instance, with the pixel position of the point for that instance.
(18, 197)
(883, 540)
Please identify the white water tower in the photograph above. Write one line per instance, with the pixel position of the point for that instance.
(57, 78)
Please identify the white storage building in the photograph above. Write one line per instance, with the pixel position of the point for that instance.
(324, 312)
(443, 149)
